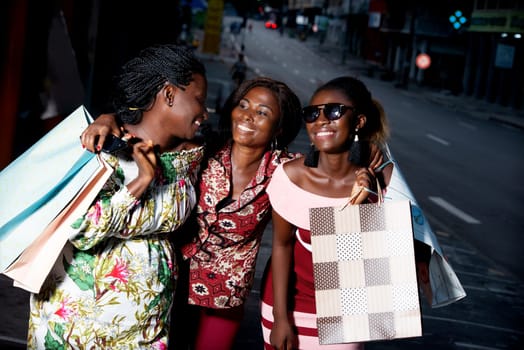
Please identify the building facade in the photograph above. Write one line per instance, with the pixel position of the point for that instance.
(475, 46)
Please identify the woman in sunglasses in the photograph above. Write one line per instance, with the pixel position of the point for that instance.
(342, 122)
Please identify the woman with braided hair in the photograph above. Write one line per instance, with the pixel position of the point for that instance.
(259, 120)
(113, 285)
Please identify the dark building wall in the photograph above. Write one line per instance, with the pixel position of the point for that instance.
(103, 35)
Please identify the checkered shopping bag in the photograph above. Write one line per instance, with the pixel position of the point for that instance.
(364, 272)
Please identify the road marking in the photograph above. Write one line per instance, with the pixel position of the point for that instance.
(486, 277)
(442, 233)
(491, 290)
(438, 139)
(467, 125)
(475, 324)
(13, 340)
(473, 346)
(454, 210)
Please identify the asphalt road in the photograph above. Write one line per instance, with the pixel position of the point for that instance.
(490, 317)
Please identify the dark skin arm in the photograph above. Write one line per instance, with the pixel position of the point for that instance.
(282, 335)
(144, 155)
(376, 160)
(142, 152)
(94, 136)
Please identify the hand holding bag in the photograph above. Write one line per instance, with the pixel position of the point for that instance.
(365, 273)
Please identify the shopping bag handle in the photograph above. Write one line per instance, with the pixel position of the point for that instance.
(378, 193)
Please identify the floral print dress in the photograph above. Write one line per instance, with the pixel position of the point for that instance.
(112, 287)
(223, 255)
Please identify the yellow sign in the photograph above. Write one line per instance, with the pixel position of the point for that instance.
(497, 21)
(213, 26)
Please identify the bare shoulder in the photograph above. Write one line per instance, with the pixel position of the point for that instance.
(295, 169)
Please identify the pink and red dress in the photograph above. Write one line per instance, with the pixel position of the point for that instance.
(293, 203)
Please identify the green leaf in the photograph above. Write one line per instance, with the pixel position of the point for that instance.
(81, 270)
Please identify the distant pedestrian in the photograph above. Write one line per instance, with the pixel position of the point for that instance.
(239, 70)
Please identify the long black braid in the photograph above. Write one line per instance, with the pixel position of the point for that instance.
(142, 77)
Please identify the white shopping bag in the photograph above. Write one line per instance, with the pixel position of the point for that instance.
(40, 183)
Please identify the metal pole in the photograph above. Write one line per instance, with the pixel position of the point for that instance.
(346, 41)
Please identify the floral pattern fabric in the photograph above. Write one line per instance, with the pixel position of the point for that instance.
(112, 288)
(223, 255)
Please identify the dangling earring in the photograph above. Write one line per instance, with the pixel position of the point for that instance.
(311, 159)
(355, 152)
(170, 103)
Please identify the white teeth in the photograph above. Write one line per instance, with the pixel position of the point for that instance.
(324, 133)
(244, 128)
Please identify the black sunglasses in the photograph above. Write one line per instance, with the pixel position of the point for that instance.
(332, 111)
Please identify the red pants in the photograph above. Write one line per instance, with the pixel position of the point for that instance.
(217, 328)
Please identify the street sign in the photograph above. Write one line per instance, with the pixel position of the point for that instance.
(423, 61)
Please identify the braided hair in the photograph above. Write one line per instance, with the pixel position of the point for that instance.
(142, 77)
(290, 118)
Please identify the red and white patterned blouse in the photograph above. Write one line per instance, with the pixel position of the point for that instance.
(223, 255)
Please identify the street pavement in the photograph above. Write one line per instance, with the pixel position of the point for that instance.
(490, 317)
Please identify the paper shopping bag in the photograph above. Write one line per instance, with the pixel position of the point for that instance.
(364, 273)
(36, 186)
(444, 286)
(30, 270)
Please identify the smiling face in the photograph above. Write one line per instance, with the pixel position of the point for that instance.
(255, 119)
(189, 107)
(331, 136)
